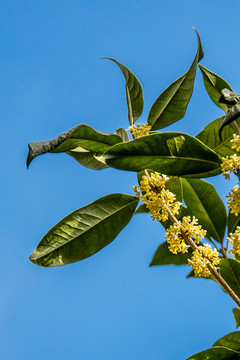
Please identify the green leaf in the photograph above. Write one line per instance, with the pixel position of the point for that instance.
(168, 153)
(233, 222)
(216, 353)
(134, 93)
(214, 84)
(80, 137)
(123, 134)
(210, 136)
(88, 159)
(230, 271)
(85, 231)
(236, 314)
(226, 348)
(203, 201)
(171, 105)
(163, 256)
(230, 341)
(232, 115)
(142, 209)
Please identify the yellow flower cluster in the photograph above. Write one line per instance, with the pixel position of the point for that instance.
(234, 200)
(235, 241)
(200, 258)
(230, 164)
(139, 130)
(190, 228)
(236, 142)
(153, 193)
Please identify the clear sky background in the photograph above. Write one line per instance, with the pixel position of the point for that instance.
(112, 305)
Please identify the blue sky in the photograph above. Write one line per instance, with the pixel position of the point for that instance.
(112, 305)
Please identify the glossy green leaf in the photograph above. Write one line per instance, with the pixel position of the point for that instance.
(168, 153)
(134, 93)
(230, 271)
(226, 348)
(163, 256)
(236, 314)
(171, 105)
(230, 341)
(88, 159)
(81, 136)
(85, 231)
(214, 84)
(123, 134)
(216, 353)
(203, 201)
(210, 136)
(233, 222)
(232, 115)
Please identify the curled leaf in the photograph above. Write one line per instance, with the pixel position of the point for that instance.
(232, 115)
(229, 97)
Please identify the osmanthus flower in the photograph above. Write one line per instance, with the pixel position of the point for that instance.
(199, 260)
(234, 239)
(230, 164)
(139, 130)
(153, 193)
(189, 227)
(234, 200)
(236, 142)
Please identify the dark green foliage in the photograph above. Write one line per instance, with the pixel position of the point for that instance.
(226, 348)
(171, 105)
(210, 136)
(168, 153)
(163, 256)
(230, 271)
(81, 138)
(134, 93)
(236, 314)
(214, 85)
(85, 231)
(203, 201)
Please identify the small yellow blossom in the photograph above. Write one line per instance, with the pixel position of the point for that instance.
(199, 260)
(235, 241)
(230, 164)
(234, 200)
(153, 193)
(139, 130)
(190, 228)
(236, 142)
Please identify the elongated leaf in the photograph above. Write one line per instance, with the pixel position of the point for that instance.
(123, 134)
(233, 222)
(88, 159)
(168, 153)
(214, 84)
(203, 201)
(134, 93)
(85, 231)
(232, 115)
(163, 256)
(226, 348)
(230, 271)
(171, 105)
(210, 136)
(82, 136)
(236, 314)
